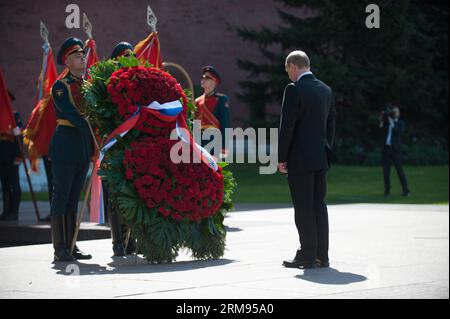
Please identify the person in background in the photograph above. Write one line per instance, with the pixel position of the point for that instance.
(10, 159)
(213, 108)
(392, 148)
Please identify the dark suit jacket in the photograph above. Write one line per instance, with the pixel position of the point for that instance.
(307, 125)
(398, 129)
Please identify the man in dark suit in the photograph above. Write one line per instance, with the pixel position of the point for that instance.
(393, 129)
(306, 137)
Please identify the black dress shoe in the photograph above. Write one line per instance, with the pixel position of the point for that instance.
(322, 264)
(78, 254)
(298, 264)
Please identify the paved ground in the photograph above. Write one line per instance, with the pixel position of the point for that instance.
(27, 214)
(377, 251)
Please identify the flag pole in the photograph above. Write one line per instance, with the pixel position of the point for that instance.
(33, 197)
(87, 190)
(186, 75)
(86, 193)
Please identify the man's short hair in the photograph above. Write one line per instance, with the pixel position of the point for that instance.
(298, 58)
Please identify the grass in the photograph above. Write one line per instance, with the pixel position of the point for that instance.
(40, 196)
(346, 184)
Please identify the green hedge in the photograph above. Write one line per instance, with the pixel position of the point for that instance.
(415, 152)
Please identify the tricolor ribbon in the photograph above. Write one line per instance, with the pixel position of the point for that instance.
(184, 134)
(97, 204)
(168, 112)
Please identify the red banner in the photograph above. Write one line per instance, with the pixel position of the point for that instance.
(91, 55)
(42, 122)
(149, 50)
(7, 121)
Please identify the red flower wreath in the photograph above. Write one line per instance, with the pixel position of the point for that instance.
(184, 190)
(140, 86)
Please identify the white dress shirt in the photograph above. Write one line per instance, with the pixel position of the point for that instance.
(391, 127)
(303, 74)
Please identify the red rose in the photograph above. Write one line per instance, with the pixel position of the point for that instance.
(177, 217)
(129, 174)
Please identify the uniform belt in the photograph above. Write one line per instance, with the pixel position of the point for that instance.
(64, 122)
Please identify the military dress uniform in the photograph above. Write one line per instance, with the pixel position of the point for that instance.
(70, 151)
(118, 229)
(213, 110)
(9, 173)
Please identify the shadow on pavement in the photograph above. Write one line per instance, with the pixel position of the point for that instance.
(132, 265)
(232, 229)
(330, 276)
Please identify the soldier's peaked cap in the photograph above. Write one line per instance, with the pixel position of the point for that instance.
(122, 48)
(69, 46)
(211, 70)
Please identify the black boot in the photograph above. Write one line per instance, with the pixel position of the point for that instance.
(15, 202)
(130, 242)
(59, 239)
(71, 223)
(131, 247)
(6, 206)
(116, 233)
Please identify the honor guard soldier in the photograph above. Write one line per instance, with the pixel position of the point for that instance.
(212, 107)
(71, 149)
(9, 170)
(119, 230)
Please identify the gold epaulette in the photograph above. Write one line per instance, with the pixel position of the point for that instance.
(64, 122)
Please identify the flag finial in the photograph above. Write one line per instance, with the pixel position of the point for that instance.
(44, 32)
(151, 19)
(87, 26)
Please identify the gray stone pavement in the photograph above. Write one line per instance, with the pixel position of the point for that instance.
(27, 213)
(376, 251)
